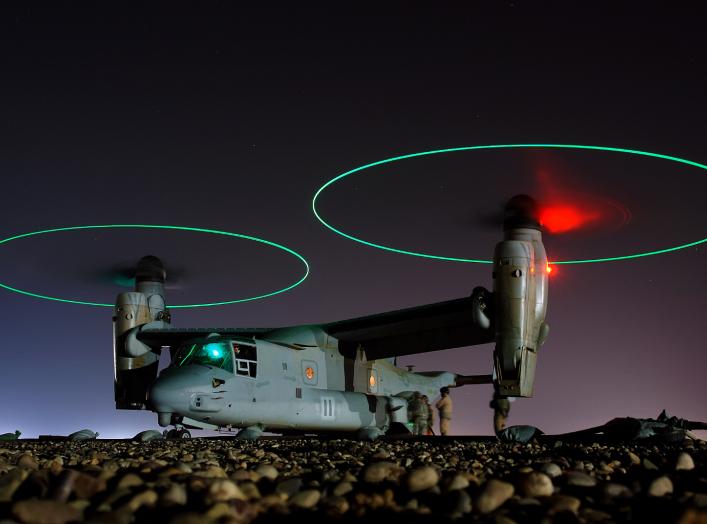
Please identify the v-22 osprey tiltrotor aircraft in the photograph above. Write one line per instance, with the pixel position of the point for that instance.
(337, 377)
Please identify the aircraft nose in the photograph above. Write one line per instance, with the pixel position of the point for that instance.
(170, 393)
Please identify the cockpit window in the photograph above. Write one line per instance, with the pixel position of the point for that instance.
(208, 353)
(246, 359)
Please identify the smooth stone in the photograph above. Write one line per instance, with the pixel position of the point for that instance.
(380, 471)
(86, 486)
(212, 472)
(250, 490)
(268, 471)
(421, 479)
(342, 488)
(222, 490)
(64, 485)
(306, 499)
(218, 511)
(649, 465)
(595, 515)
(493, 495)
(660, 487)
(527, 501)
(129, 480)
(26, 460)
(290, 486)
(10, 481)
(684, 462)
(577, 478)
(613, 490)
(457, 482)
(635, 459)
(551, 469)
(145, 498)
(337, 504)
(460, 503)
(564, 503)
(35, 511)
(536, 485)
(174, 495)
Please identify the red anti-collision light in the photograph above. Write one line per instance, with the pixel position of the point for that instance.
(565, 217)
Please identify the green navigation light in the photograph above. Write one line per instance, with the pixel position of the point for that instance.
(152, 226)
(502, 146)
(214, 350)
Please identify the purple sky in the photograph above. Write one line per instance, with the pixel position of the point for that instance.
(229, 118)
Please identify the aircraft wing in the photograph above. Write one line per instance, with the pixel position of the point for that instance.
(421, 329)
(176, 336)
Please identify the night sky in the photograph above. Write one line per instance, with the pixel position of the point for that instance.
(226, 117)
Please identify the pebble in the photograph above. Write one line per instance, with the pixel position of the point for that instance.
(649, 464)
(33, 511)
(342, 488)
(459, 503)
(290, 486)
(660, 487)
(268, 471)
(338, 504)
(174, 495)
(118, 482)
(613, 490)
(380, 471)
(146, 498)
(86, 486)
(564, 503)
(457, 482)
(536, 485)
(684, 462)
(27, 461)
(493, 495)
(129, 480)
(212, 472)
(551, 469)
(577, 478)
(10, 481)
(306, 499)
(421, 479)
(222, 490)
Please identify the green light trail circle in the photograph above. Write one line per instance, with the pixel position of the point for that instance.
(502, 146)
(151, 226)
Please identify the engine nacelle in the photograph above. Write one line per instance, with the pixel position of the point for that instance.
(136, 363)
(520, 297)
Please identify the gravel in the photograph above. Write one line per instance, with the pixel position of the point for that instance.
(235, 481)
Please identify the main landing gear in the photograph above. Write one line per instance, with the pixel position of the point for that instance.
(177, 433)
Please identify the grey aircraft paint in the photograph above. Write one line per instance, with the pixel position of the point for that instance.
(318, 378)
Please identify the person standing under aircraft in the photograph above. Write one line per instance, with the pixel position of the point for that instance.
(444, 405)
(419, 418)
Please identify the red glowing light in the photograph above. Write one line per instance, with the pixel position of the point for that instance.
(560, 218)
(548, 269)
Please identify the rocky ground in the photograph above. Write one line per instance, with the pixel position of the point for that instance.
(311, 480)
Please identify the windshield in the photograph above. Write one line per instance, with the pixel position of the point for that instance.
(207, 353)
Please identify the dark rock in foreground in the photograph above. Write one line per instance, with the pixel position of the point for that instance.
(222, 480)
